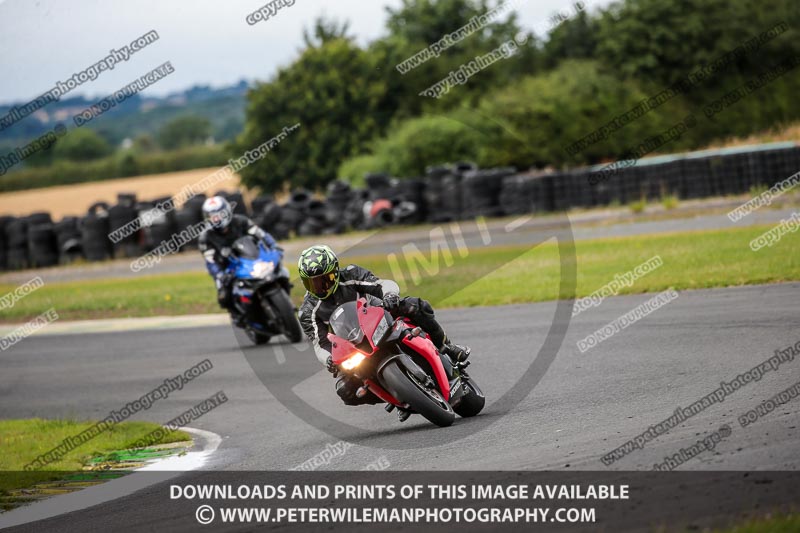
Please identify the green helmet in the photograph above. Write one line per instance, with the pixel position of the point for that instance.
(319, 270)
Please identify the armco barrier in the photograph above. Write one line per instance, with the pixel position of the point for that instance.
(690, 176)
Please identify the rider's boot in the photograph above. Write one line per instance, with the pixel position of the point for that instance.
(458, 353)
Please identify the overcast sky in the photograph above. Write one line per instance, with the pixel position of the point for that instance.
(207, 41)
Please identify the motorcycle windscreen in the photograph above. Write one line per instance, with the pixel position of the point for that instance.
(246, 247)
(344, 323)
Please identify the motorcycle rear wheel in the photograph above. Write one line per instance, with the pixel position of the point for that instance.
(429, 403)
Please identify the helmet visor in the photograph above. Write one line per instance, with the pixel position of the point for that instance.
(320, 286)
(219, 220)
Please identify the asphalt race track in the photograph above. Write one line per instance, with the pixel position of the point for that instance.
(586, 405)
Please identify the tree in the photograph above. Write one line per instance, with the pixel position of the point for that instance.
(539, 116)
(331, 90)
(144, 144)
(355, 169)
(184, 131)
(81, 144)
(574, 38)
(416, 144)
(427, 21)
(325, 30)
(660, 42)
(229, 129)
(128, 165)
(420, 24)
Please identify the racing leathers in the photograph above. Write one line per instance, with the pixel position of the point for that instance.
(355, 281)
(215, 245)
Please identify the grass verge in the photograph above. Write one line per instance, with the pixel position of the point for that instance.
(692, 260)
(22, 441)
(777, 524)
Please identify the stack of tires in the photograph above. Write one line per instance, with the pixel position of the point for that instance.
(378, 210)
(120, 216)
(293, 213)
(190, 215)
(236, 199)
(481, 191)
(443, 194)
(526, 193)
(562, 190)
(316, 219)
(693, 178)
(412, 207)
(380, 213)
(340, 196)
(159, 223)
(68, 239)
(515, 196)
(42, 245)
(17, 244)
(4, 221)
(95, 227)
(259, 202)
(380, 186)
(355, 216)
(267, 216)
(282, 229)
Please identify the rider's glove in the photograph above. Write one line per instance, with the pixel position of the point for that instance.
(391, 302)
(333, 369)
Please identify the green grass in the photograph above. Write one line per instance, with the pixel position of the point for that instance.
(779, 524)
(691, 261)
(638, 206)
(173, 294)
(758, 190)
(487, 276)
(670, 201)
(22, 441)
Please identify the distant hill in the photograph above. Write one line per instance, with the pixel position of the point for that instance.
(136, 116)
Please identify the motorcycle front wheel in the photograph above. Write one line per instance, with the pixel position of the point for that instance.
(423, 400)
(257, 337)
(285, 309)
(473, 401)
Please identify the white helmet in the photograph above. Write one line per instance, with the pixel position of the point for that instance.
(217, 212)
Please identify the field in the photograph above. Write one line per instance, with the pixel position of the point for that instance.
(74, 200)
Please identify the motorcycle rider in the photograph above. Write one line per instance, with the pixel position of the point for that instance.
(329, 287)
(215, 243)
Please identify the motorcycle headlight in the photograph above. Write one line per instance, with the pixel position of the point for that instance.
(353, 361)
(263, 269)
(380, 332)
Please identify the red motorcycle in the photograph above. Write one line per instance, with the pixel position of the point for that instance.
(399, 364)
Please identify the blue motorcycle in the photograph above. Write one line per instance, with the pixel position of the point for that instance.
(261, 291)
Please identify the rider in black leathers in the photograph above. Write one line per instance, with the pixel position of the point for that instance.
(215, 245)
(329, 287)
